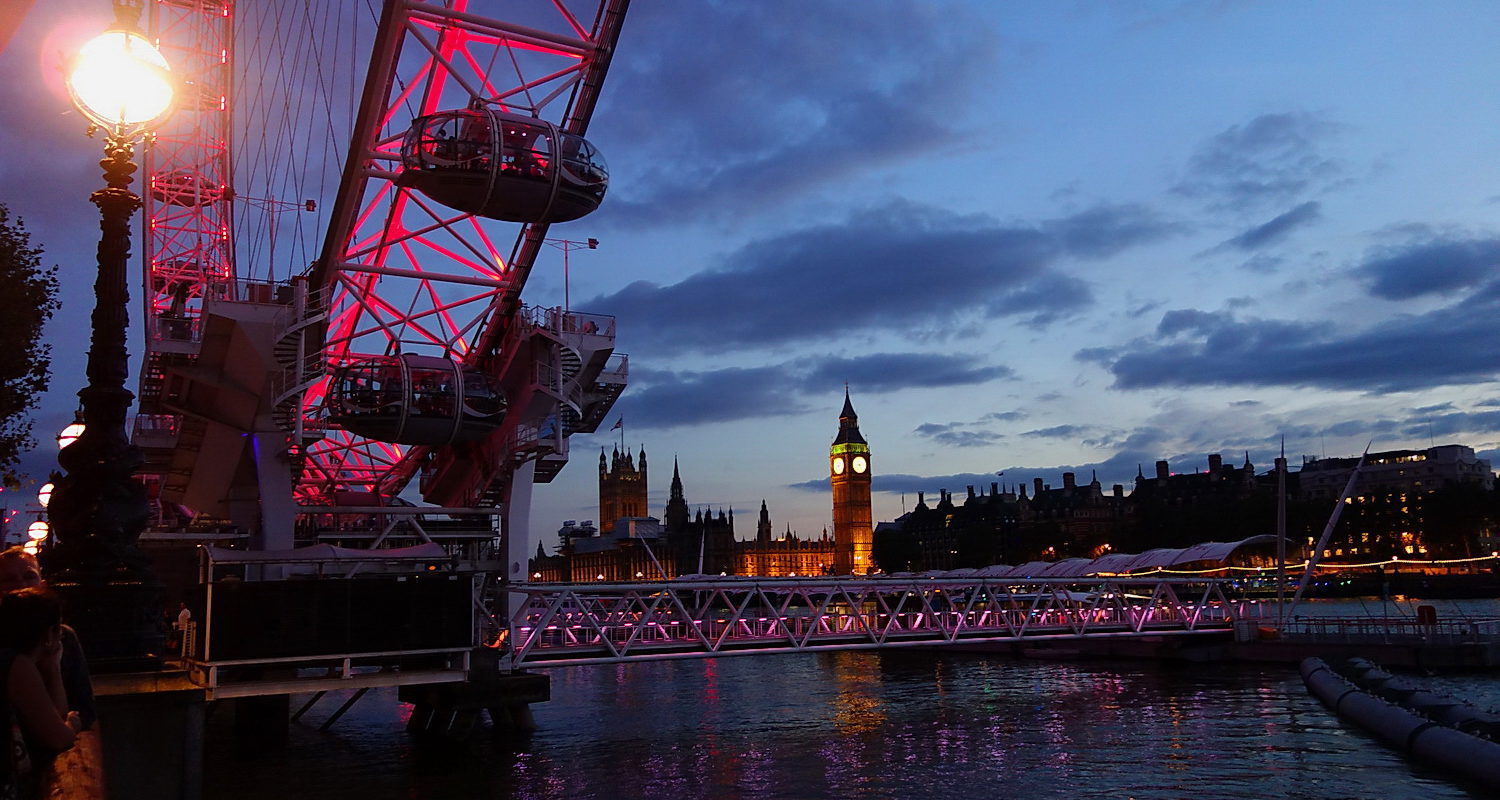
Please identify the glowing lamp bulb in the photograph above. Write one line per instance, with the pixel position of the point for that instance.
(44, 494)
(31, 547)
(37, 531)
(120, 81)
(69, 435)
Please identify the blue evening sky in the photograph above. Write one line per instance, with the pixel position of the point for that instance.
(1032, 237)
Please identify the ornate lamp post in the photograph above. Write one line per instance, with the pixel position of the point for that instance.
(122, 84)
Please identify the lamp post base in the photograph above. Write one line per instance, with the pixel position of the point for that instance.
(117, 620)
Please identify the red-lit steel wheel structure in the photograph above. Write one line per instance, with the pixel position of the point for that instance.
(403, 359)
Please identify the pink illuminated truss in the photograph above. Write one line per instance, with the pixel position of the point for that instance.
(597, 623)
(189, 248)
(401, 273)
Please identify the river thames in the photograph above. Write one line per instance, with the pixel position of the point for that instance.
(896, 724)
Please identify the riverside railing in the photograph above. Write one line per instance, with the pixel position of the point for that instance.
(1392, 630)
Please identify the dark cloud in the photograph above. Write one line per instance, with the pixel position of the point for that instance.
(1262, 263)
(1272, 159)
(1430, 266)
(737, 119)
(1105, 230)
(884, 372)
(897, 264)
(669, 399)
(673, 399)
(968, 434)
(1360, 427)
(1198, 348)
(1278, 228)
(1043, 301)
(1057, 432)
(954, 434)
(1453, 423)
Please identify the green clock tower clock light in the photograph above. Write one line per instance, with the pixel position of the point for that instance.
(849, 466)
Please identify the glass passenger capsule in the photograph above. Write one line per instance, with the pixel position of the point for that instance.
(412, 399)
(503, 166)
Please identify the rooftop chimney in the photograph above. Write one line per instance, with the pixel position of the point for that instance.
(1161, 471)
(1068, 481)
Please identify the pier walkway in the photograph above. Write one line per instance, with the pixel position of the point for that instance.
(562, 625)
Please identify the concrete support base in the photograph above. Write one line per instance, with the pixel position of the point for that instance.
(152, 736)
(261, 723)
(452, 710)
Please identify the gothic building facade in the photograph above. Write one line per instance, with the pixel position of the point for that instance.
(628, 545)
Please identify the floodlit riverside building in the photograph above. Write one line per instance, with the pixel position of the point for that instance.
(1406, 503)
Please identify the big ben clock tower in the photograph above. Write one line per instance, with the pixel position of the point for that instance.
(849, 470)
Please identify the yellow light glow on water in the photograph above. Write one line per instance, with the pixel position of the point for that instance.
(119, 79)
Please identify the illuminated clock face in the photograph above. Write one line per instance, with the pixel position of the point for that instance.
(838, 465)
(860, 464)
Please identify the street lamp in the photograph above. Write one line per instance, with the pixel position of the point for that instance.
(123, 85)
(69, 434)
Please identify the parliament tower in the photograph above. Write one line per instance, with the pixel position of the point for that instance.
(622, 488)
(849, 471)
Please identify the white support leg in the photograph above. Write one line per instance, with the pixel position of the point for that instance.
(516, 532)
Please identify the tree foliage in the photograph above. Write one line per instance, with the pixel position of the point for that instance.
(30, 296)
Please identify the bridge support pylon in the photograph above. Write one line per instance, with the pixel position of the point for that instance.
(452, 710)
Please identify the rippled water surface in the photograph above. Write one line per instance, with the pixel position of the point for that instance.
(898, 724)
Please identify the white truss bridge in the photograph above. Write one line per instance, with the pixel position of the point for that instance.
(600, 623)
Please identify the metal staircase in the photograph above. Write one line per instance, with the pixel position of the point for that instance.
(298, 349)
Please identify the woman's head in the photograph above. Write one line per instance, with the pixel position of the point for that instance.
(27, 617)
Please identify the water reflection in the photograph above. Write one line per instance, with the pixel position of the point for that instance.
(898, 724)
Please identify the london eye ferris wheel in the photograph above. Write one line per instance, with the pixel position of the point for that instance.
(392, 351)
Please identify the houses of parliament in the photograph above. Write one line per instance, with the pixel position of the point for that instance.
(630, 545)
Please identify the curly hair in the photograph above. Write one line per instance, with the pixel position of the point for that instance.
(27, 616)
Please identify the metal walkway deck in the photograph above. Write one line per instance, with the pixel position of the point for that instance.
(563, 625)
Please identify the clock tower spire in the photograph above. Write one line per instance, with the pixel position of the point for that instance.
(849, 471)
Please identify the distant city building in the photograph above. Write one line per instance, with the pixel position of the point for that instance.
(628, 545)
(1404, 470)
(1179, 509)
(1009, 526)
(1405, 503)
(1437, 502)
